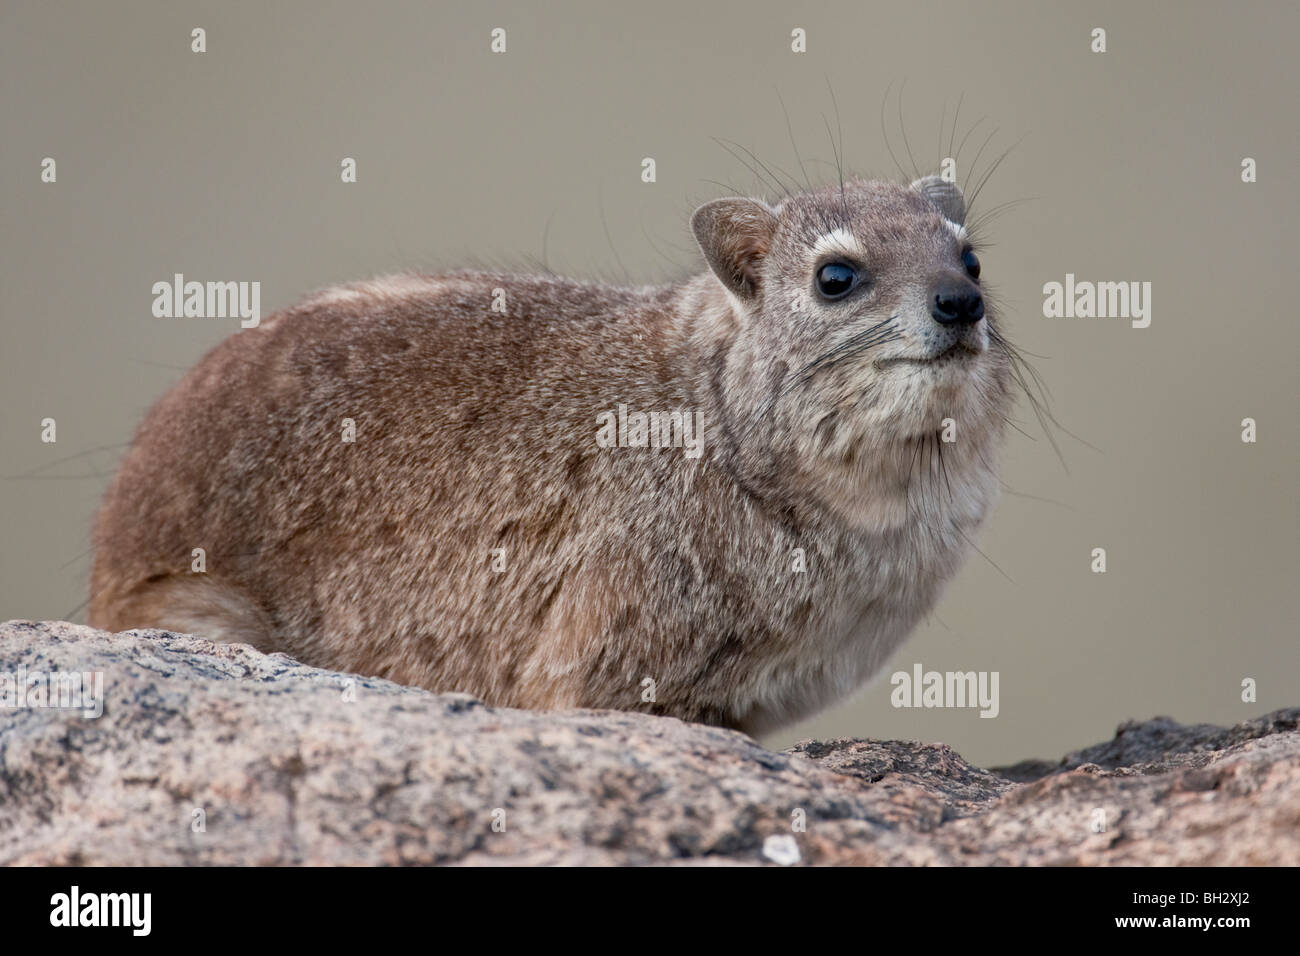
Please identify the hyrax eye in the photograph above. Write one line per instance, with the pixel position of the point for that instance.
(972, 263)
(836, 279)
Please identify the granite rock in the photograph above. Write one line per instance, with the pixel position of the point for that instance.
(217, 754)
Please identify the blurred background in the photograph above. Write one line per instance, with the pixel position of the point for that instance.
(1118, 166)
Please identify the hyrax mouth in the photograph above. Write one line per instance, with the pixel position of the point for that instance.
(959, 353)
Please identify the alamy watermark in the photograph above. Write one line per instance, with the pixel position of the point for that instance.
(946, 689)
(67, 690)
(1072, 299)
(130, 910)
(676, 429)
(179, 299)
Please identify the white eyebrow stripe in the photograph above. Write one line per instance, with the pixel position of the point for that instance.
(839, 240)
(958, 230)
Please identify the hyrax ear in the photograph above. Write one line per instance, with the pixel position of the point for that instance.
(735, 236)
(945, 195)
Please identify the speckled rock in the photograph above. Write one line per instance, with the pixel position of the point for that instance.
(217, 754)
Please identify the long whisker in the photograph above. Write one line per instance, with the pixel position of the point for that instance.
(955, 116)
(866, 339)
(878, 334)
(903, 129)
(884, 132)
(793, 145)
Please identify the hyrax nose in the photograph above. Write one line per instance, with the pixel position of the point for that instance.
(957, 303)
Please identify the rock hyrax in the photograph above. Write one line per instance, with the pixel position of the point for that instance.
(728, 499)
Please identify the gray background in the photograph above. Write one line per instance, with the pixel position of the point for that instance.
(225, 165)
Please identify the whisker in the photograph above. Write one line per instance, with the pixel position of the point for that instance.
(884, 132)
(955, 116)
(58, 461)
(902, 127)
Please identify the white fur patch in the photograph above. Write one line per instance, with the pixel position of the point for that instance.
(841, 241)
(399, 286)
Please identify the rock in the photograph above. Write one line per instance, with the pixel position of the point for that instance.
(217, 754)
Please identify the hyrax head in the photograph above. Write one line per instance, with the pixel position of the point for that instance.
(861, 321)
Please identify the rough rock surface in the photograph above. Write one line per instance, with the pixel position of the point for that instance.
(289, 764)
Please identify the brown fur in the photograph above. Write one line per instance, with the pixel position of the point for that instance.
(476, 431)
